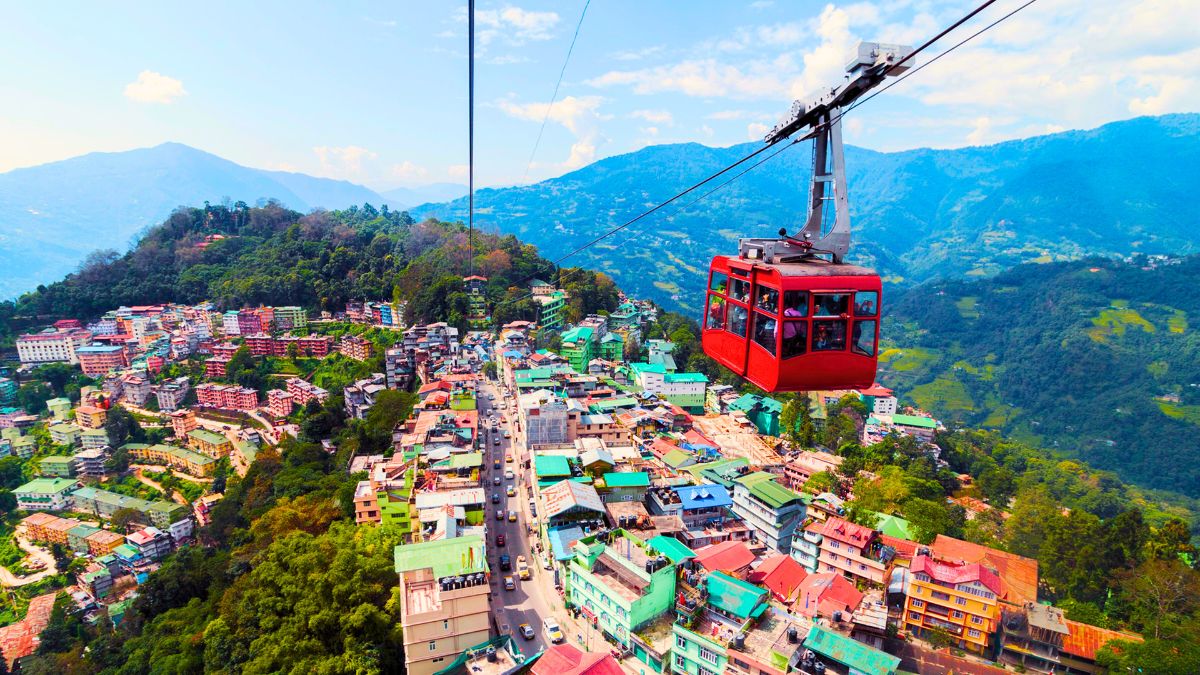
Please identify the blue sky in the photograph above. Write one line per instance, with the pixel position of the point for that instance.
(376, 92)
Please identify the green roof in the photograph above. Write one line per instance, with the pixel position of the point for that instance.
(45, 486)
(577, 334)
(677, 457)
(613, 403)
(748, 401)
(248, 450)
(894, 526)
(551, 465)
(648, 368)
(83, 530)
(627, 479)
(856, 656)
(208, 436)
(755, 477)
(447, 557)
(64, 428)
(914, 421)
(773, 494)
(734, 596)
(57, 459)
(686, 377)
(612, 337)
(468, 460)
(674, 549)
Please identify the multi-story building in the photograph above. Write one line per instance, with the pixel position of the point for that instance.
(8, 391)
(879, 400)
(260, 344)
(151, 542)
(361, 395)
(612, 347)
(771, 510)
(279, 403)
(851, 550)
(227, 397)
(90, 462)
(136, 389)
(216, 367)
(620, 583)
(180, 459)
(60, 408)
(249, 322)
(445, 600)
(51, 346)
(960, 599)
(550, 315)
(578, 347)
(209, 443)
(708, 626)
(104, 504)
(544, 419)
(183, 421)
(45, 494)
(58, 466)
(399, 367)
(762, 411)
(288, 318)
(355, 347)
(64, 434)
(90, 417)
(171, 393)
(1032, 637)
(92, 439)
(302, 392)
(229, 323)
(99, 359)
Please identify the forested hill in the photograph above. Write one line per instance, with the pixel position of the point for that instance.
(240, 257)
(1096, 358)
(917, 214)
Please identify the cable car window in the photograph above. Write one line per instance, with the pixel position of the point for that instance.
(866, 303)
(718, 282)
(864, 338)
(795, 338)
(740, 290)
(795, 303)
(831, 304)
(829, 336)
(767, 300)
(764, 331)
(716, 313)
(737, 320)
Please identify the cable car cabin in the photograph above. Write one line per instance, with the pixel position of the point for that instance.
(799, 326)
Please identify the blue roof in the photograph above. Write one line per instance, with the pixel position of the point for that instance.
(703, 496)
(561, 540)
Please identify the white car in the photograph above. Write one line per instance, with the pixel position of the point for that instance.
(509, 475)
(553, 632)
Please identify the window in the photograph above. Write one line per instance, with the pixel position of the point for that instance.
(739, 290)
(767, 300)
(445, 624)
(705, 671)
(977, 620)
(708, 655)
(956, 614)
(961, 601)
(680, 662)
(864, 338)
(834, 544)
(680, 642)
(866, 303)
(795, 338)
(433, 645)
(973, 633)
(918, 603)
(716, 313)
(915, 616)
(938, 595)
(741, 664)
(829, 336)
(795, 304)
(737, 319)
(831, 304)
(765, 331)
(718, 282)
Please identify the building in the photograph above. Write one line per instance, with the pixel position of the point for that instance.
(99, 359)
(355, 347)
(399, 367)
(620, 584)
(771, 510)
(226, 397)
(90, 417)
(279, 403)
(703, 509)
(104, 504)
(151, 543)
(209, 443)
(288, 318)
(45, 494)
(136, 389)
(60, 408)
(551, 310)
(849, 654)
(229, 323)
(960, 599)
(90, 462)
(183, 421)
(51, 346)
(360, 396)
(64, 434)
(92, 439)
(851, 550)
(444, 594)
(567, 659)
(1032, 637)
(577, 348)
(249, 322)
(8, 391)
(302, 392)
(170, 394)
(180, 459)
(707, 628)
(57, 466)
(216, 367)
(763, 412)
(879, 400)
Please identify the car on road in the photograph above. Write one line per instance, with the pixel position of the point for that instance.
(508, 458)
(526, 631)
(553, 632)
(496, 464)
(495, 497)
(506, 434)
(532, 508)
(511, 491)
(522, 568)
(496, 441)
(509, 584)
(512, 516)
(495, 480)
(500, 540)
(509, 475)
(505, 562)
(546, 562)
(499, 514)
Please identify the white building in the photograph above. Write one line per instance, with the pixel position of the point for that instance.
(51, 346)
(771, 510)
(229, 322)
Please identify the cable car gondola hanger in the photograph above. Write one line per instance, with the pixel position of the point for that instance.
(788, 313)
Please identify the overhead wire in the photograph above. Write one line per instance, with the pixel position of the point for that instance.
(554, 97)
(841, 114)
(471, 137)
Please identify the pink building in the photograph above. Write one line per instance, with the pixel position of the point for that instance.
(279, 403)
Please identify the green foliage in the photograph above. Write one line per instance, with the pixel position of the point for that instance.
(122, 428)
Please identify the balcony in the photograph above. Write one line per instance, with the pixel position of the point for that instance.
(934, 622)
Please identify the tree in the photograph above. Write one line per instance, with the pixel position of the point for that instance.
(118, 462)
(293, 350)
(489, 370)
(11, 475)
(998, 484)
(824, 481)
(1161, 593)
(8, 502)
(123, 517)
(1172, 540)
(929, 519)
(122, 427)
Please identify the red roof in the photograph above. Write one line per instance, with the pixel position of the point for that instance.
(876, 390)
(847, 532)
(696, 438)
(956, 573)
(825, 594)
(1018, 575)
(566, 659)
(436, 385)
(1084, 641)
(727, 556)
(904, 548)
(20, 639)
(781, 574)
(660, 447)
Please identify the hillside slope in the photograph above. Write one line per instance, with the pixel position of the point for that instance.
(1098, 358)
(52, 215)
(917, 215)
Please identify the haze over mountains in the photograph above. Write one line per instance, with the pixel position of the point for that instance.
(917, 215)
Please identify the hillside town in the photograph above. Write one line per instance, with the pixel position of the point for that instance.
(588, 508)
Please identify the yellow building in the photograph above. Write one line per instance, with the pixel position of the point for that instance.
(180, 459)
(90, 417)
(958, 599)
(209, 443)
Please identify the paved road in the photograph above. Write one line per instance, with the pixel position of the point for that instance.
(138, 473)
(10, 580)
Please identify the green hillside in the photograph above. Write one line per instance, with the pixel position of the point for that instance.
(1097, 359)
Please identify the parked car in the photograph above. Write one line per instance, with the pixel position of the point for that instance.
(512, 516)
(495, 497)
(499, 514)
(511, 491)
(526, 631)
(509, 475)
(522, 568)
(509, 584)
(553, 632)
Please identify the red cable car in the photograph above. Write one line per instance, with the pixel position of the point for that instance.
(788, 314)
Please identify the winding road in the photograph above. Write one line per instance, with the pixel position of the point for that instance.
(10, 580)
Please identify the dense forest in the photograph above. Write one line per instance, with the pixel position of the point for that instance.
(240, 256)
(1097, 359)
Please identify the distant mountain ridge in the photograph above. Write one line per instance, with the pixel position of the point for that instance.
(54, 214)
(917, 215)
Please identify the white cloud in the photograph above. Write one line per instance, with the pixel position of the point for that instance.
(347, 162)
(512, 24)
(583, 152)
(568, 111)
(649, 131)
(707, 131)
(458, 171)
(408, 171)
(755, 131)
(761, 4)
(152, 87)
(706, 78)
(654, 116)
(636, 54)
